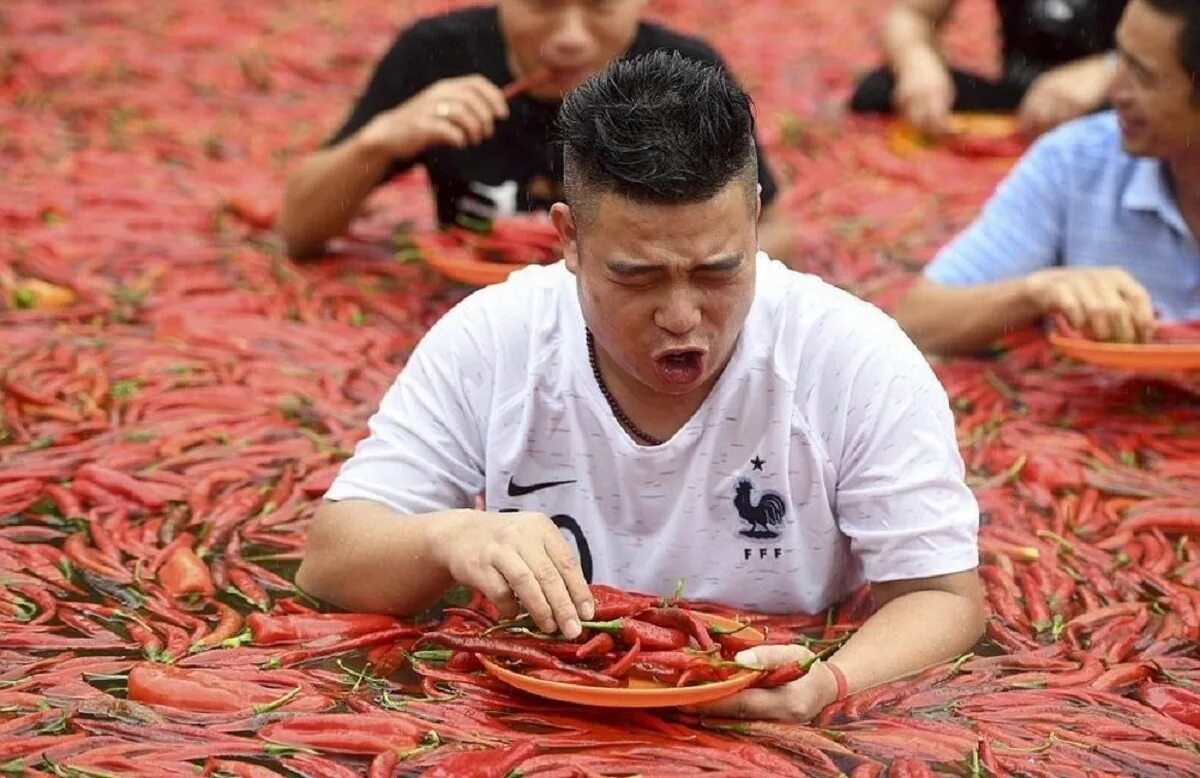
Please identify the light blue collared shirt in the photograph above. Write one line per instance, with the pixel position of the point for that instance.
(1077, 199)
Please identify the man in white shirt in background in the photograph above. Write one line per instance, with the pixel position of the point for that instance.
(666, 403)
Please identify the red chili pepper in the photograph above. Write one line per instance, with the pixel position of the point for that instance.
(630, 630)
(698, 675)
(464, 662)
(201, 690)
(681, 620)
(674, 660)
(524, 653)
(487, 764)
(621, 667)
(601, 643)
(1178, 703)
(382, 766)
(362, 641)
(781, 675)
(611, 603)
(269, 629)
(737, 642)
(348, 733)
(554, 676)
(228, 624)
(184, 573)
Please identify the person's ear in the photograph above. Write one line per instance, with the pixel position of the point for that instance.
(564, 224)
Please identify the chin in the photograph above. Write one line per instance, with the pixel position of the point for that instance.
(1136, 147)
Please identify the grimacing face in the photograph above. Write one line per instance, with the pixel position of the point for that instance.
(665, 289)
(1151, 92)
(573, 38)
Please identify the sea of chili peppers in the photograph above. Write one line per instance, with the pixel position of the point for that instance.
(177, 396)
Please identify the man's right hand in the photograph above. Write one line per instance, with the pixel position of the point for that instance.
(518, 558)
(456, 112)
(1106, 302)
(924, 92)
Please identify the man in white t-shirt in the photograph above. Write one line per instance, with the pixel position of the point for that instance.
(666, 403)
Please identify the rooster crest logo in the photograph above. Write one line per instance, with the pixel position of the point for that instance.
(767, 513)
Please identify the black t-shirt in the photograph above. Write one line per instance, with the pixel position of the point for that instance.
(1041, 34)
(520, 166)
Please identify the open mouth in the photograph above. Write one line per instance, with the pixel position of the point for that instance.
(680, 367)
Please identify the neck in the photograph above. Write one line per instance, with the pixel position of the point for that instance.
(1185, 184)
(656, 414)
(1185, 179)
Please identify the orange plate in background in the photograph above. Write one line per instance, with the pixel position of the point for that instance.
(1148, 356)
(476, 272)
(642, 693)
(983, 125)
(979, 134)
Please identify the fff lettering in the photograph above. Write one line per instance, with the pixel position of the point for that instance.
(763, 553)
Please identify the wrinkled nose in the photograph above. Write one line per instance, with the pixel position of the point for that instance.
(679, 314)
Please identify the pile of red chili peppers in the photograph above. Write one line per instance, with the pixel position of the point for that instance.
(177, 395)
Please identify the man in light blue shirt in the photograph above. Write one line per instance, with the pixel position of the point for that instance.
(1099, 221)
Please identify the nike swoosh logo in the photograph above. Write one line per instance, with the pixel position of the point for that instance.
(516, 490)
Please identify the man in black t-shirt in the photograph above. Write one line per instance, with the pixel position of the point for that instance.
(436, 99)
(1057, 64)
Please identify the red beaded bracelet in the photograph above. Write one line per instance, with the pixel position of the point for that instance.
(840, 677)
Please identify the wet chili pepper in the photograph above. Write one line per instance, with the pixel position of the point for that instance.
(630, 630)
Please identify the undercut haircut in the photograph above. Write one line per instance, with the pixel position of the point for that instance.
(660, 129)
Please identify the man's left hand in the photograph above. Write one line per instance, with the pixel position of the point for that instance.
(1065, 93)
(798, 701)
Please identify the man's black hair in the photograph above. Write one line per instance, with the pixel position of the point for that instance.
(658, 129)
(1188, 45)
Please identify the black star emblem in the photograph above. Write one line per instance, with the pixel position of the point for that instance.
(758, 462)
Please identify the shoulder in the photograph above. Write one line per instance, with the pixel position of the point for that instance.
(505, 319)
(822, 335)
(1086, 145)
(652, 36)
(450, 29)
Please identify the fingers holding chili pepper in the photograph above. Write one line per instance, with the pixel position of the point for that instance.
(522, 558)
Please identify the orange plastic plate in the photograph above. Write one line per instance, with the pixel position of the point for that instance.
(1147, 356)
(640, 693)
(983, 125)
(476, 272)
(905, 140)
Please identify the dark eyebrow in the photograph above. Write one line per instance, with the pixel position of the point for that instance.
(1137, 64)
(723, 264)
(625, 268)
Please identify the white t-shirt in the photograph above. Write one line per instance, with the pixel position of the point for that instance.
(824, 456)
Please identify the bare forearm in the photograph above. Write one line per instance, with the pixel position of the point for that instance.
(908, 634)
(324, 194)
(361, 556)
(908, 30)
(948, 320)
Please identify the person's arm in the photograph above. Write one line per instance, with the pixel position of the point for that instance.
(903, 504)
(924, 92)
(365, 557)
(958, 320)
(1066, 92)
(325, 193)
(396, 530)
(910, 27)
(976, 287)
(404, 111)
(918, 623)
